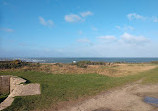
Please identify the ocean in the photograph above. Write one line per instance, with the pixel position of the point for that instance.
(98, 59)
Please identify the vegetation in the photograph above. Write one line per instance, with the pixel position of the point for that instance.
(71, 86)
(3, 97)
(57, 88)
(59, 64)
(13, 64)
(84, 64)
(154, 62)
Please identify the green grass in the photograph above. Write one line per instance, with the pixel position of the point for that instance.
(57, 88)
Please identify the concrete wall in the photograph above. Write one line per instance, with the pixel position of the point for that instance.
(9, 83)
(15, 82)
(4, 84)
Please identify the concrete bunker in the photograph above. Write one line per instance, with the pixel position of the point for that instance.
(14, 86)
(4, 84)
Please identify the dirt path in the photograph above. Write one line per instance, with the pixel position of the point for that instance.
(126, 98)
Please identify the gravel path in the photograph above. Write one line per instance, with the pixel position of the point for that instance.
(127, 98)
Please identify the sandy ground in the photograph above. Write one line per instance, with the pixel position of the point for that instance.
(127, 98)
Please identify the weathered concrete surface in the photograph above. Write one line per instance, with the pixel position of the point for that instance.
(15, 81)
(4, 84)
(24, 90)
(19, 89)
(7, 102)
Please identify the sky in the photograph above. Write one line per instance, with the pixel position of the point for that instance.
(78, 28)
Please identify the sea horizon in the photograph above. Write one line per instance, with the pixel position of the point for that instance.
(71, 59)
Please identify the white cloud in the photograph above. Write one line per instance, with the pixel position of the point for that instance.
(134, 40)
(107, 37)
(125, 28)
(83, 40)
(46, 23)
(154, 19)
(94, 29)
(125, 38)
(72, 18)
(87, 13)
(42, 21)
(77, 17)
(133, 16)
(6, 30)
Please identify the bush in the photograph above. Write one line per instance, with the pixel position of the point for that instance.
(59, 64)
(154, 62)
(84, 64)
(14, 64)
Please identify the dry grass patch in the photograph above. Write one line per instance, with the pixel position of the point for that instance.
(131, 69)
(114, 70)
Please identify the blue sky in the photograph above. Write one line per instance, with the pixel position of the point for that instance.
(78, 28)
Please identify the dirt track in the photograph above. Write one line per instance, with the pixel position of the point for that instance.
(126, 98)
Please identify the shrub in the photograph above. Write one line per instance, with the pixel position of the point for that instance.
(59, 64)
(154, 62)
(84, 64)
(15, 64)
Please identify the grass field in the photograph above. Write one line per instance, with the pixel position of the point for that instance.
(66, 87)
